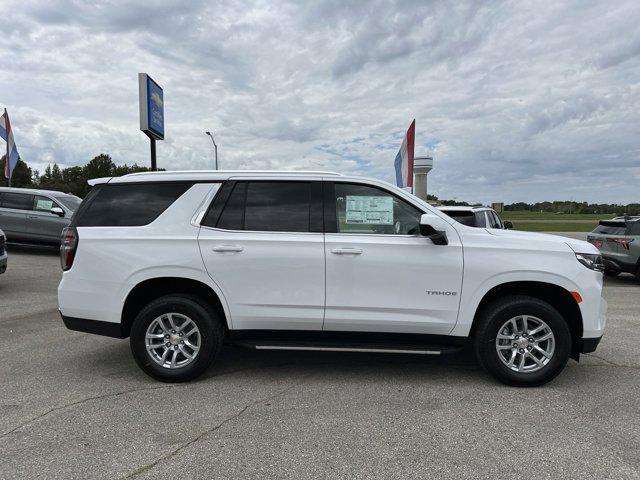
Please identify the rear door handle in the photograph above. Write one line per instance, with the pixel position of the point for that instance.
(347, 251)
(227, 248)
(33, 216)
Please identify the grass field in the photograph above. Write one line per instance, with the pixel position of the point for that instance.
(550, 222)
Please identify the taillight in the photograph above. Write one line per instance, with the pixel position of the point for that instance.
(622, 241)
(68, 246)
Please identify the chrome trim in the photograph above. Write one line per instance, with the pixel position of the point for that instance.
(346, 349)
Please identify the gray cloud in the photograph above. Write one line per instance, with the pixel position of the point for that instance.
(517, 101)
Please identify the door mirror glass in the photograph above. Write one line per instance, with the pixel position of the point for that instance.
(434, 228)
(57, 211)
(508, 225)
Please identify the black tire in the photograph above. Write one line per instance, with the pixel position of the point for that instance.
(611, 273)
(493, 318)
(207, 321)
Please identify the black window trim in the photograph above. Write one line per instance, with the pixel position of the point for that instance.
(331, 221)
(228, 186)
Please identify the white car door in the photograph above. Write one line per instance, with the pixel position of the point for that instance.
(262, 243)
(382, 275)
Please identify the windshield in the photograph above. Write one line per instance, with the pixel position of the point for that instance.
(70, 201)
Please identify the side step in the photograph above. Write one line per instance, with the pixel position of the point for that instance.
(349, 347)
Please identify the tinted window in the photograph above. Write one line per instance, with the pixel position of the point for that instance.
(612, 228)
(364, 209)
(43, 204)
(123, 205)
(277, 206)
(633, 228)
(232, 217)
(466, 218)
(19, 201)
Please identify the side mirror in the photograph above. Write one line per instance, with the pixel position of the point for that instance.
(57, 211)
(507, 225)
(434, 228)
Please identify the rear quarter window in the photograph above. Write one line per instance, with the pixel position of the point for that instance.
(127, 205)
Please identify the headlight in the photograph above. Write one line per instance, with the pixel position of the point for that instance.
(592, 261)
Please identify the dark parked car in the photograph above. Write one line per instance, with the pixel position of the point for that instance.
(3, 253)
(35, 216)
(483, 217)
(619, 242)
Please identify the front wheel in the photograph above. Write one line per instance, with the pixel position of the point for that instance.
(175, 338)
(522, 341)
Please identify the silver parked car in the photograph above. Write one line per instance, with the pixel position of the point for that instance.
(3, 253)
(35, 216)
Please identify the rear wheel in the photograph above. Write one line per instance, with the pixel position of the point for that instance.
(176, 338)
(522, 341)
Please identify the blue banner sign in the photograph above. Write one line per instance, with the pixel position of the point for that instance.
(151, 107)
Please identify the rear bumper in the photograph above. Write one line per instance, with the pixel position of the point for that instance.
(588, 345)
(107, 329)
(618, 265)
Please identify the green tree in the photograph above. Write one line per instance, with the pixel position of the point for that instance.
(21, 176)
(99, 166)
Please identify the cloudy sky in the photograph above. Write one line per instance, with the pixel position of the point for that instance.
(515, 100)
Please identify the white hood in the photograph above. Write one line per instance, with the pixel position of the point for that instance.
(578, 246)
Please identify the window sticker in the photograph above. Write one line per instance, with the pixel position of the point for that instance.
(363, 209)
(44, 204)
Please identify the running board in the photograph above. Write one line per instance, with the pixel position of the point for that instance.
(347, 347)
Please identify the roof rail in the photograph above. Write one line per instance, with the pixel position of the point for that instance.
(241, 172)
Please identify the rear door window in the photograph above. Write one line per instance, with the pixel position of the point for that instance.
(128, 205)
(269, 207)
(17, 201)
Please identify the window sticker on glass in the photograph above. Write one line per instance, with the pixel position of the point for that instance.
(44, 204)
(376, 210)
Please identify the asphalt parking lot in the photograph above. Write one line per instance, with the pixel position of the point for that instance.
(75, 405)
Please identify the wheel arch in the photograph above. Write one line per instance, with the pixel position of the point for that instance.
(152, 288)
(557, 296)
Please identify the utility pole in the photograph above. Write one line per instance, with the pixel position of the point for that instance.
(215, 147)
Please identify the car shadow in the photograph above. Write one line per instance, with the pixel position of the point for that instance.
(624, 279)
(24, 248)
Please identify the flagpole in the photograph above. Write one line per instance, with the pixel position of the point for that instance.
(7, 167)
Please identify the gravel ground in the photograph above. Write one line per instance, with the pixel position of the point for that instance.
(76, 406)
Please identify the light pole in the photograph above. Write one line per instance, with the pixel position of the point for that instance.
(215, 147)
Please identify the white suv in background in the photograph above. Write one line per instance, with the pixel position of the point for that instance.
(181, 262)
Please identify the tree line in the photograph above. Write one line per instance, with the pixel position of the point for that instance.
(74, 180)
(69, 180)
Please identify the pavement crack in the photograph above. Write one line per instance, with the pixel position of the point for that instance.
(609, 362)
(235, 416)
(79, 402)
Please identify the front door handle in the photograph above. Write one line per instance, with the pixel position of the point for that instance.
(347, 251)
(227, 248)
(33, 216)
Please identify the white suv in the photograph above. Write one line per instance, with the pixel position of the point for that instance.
(184, 261)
